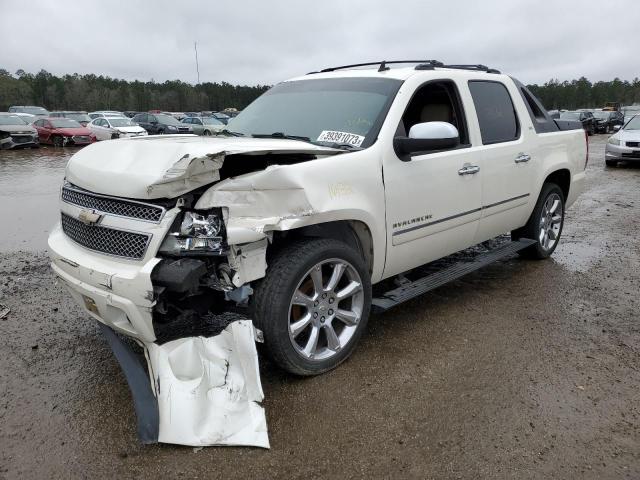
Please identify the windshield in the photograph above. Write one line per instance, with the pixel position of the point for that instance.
(78, 117)
(634, 123)
(35, 110)
(604, 115)
(64, 123)
(121, 122)
(337, 110)
(211, 121)
(12, 120)
(570, 116)
(167, 120)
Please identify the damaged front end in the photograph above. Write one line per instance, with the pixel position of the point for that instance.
(148, 252)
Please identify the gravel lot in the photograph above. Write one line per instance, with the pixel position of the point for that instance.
(522, 370)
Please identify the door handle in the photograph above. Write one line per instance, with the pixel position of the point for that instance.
(469, 170)
(522, 157)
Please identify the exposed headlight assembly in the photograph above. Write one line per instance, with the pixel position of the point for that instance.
(196, 233)
(614, 141)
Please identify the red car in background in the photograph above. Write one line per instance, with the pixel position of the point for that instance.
(63, 131)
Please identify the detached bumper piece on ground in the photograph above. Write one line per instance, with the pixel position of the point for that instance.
(203, 390)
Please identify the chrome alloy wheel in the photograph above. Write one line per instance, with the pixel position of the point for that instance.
(325, 309)
(550, 222)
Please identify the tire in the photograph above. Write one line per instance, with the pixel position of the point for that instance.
(288, 297)
(591, 130)
(611, 163)
(206, 133)
(541, 222)
(57, 141)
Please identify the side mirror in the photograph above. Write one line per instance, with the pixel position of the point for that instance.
(427, 136)
(617, 127)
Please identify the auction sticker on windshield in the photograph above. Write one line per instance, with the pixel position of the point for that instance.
(340, 137)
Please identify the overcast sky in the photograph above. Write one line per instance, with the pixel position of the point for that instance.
(264, 41)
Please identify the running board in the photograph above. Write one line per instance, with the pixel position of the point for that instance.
(441, 277)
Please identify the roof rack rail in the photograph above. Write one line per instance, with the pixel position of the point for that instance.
(382, 65)
(483, 68)
(422, 65)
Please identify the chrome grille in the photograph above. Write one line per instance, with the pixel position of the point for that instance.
(106, 240)
(114, 206)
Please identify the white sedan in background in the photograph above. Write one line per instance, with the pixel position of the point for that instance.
(107, 128)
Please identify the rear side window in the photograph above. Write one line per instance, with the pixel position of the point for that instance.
(495, 110)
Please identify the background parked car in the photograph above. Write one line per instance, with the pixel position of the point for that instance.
(159, 124)
(107, 128)
(606, 120)
(63, 131)
(105, 113)
(624, 145)
(16, 133)
(30, 109)
(27, 117)
(223, 117)
(586, 118)
(204, 125)
(80, 116)
(130, 113)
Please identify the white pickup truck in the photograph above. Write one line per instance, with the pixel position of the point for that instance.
(321, 199)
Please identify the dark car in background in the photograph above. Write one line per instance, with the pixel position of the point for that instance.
(16, 133)
(79, 116)
(607, 120)
(160, 124)
(30, 109)
(63, 131)
(586, 118)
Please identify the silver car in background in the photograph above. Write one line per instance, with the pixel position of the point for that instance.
(204, 125)
(16, 133)
(625, 144)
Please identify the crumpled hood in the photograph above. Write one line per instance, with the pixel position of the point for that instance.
(169, 165)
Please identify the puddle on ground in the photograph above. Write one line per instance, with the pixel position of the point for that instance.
(30, 183)
(577, 257)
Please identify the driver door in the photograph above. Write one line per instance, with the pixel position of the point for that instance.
(433, 200)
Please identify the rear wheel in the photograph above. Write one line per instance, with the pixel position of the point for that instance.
(313, 305)
(545, 223)
(57, 141)
(206, 133)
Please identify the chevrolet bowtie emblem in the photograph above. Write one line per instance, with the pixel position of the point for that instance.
(89, 217)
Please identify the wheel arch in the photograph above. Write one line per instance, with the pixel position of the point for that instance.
(562, 178)
(354, 233)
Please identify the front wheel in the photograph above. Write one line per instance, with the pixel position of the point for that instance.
(206, 133)
(545, 223)
(313, 305)
(611, 163)
(57, 141)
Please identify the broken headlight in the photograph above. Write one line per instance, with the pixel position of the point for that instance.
(194, 232)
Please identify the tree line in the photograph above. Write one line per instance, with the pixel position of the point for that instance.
(92, 92)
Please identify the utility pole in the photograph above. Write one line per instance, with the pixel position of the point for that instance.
(195, 47)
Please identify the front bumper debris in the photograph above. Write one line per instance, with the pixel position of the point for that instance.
(201, 391)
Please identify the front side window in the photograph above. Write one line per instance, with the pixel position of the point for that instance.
(435, 102)
(324, 111)
(495, 111)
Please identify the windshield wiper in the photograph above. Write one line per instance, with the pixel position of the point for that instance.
(342, 146)
(230, 133)
(281, 135)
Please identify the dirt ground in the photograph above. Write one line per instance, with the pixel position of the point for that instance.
(522, 370)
